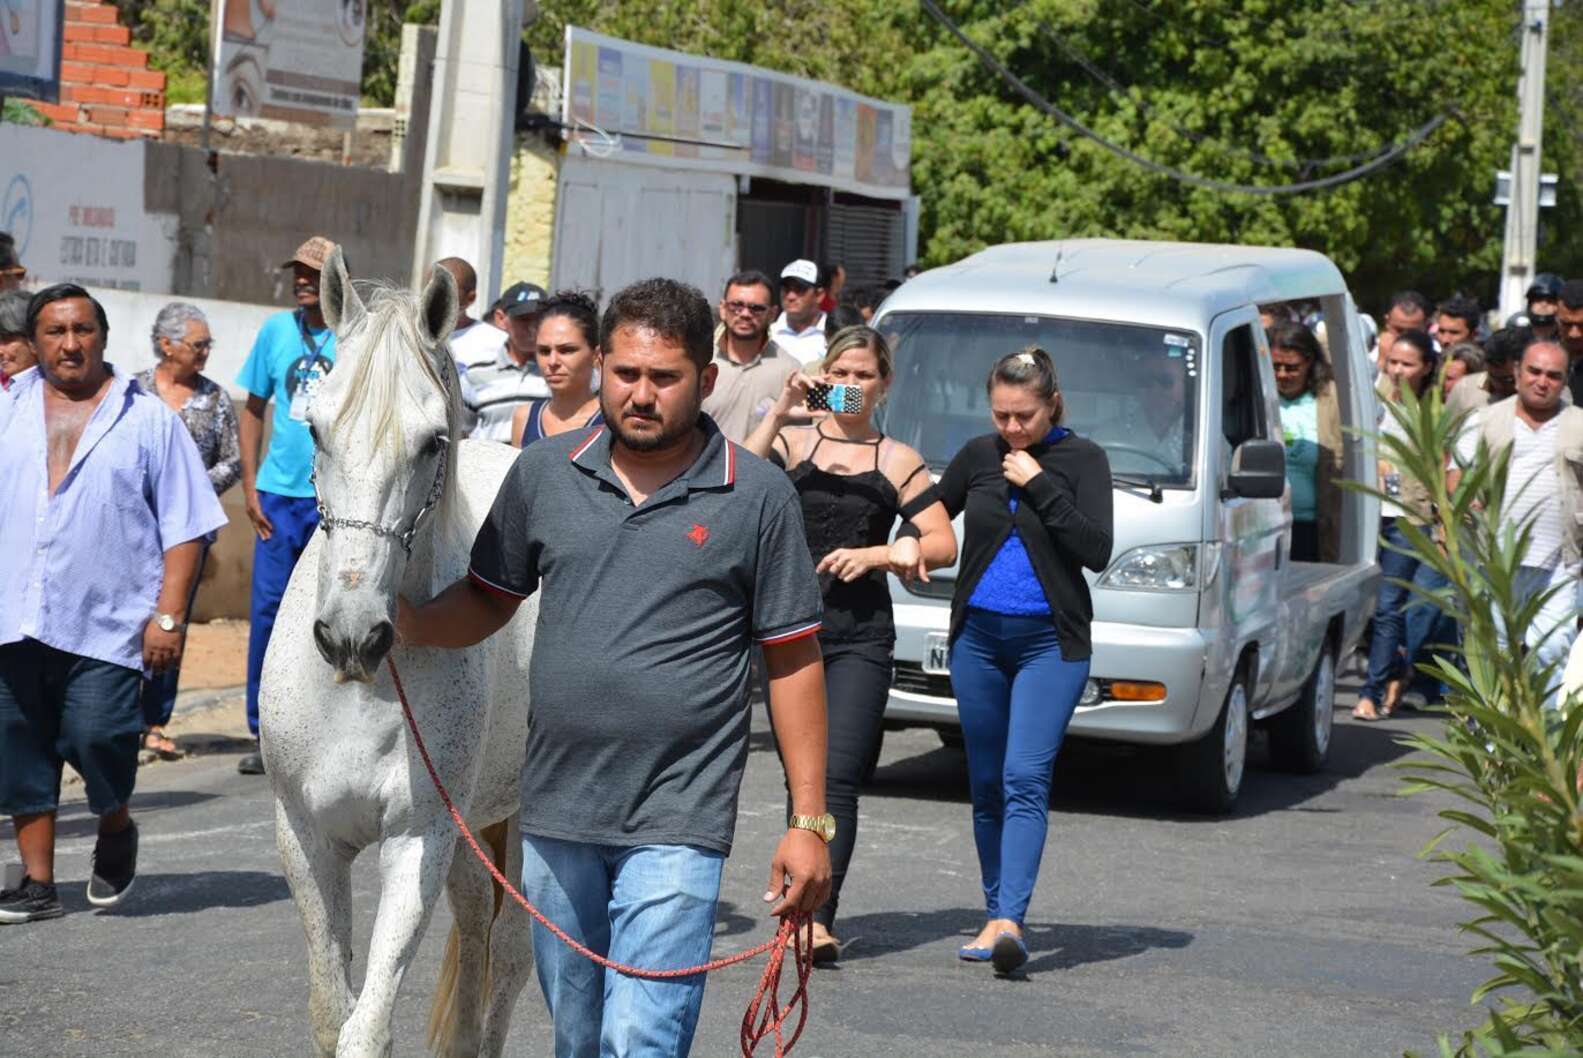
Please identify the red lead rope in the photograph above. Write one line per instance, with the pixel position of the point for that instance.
(765, 1015)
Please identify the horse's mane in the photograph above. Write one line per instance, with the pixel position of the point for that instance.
(387, 337)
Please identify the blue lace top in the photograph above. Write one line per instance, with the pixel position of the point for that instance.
(1009, 585)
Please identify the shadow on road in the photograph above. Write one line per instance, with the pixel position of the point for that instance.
(75, 821)
(1053, 946)
(185, 894)
(1141, 781)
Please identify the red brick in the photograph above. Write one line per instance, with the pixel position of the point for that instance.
(77, 33)
(103, 115)
(76, 73)
(57, 112)
(115, 97)
(110, 34)
(104, 53)
(153, 120)
(146, 80)
(112, 76)
(105, 14)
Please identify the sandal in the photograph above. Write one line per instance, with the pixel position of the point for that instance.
(156, 740)
(1370, 715)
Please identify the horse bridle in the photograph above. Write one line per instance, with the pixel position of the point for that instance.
(404, 537)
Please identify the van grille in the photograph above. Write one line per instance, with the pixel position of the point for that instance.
(911, 678)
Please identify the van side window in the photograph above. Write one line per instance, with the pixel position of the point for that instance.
(1242, 411)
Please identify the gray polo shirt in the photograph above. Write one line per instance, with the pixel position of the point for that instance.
(639, 676)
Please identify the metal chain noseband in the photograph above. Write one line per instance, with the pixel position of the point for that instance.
(404, 537)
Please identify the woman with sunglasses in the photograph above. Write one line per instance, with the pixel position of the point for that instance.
(181, 349)
(853, 483)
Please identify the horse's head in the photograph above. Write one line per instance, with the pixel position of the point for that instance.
(382, 425)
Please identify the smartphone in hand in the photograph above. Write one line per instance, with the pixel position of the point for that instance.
(825, 396)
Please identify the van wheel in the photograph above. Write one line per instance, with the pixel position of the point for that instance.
(1300, 735)
(1211, 768)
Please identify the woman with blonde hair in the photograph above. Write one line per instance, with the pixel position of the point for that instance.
(853, 483)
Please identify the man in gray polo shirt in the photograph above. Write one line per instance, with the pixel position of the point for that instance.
(663, 552)
(752, 369)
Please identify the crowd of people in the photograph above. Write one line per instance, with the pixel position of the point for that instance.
(651, 415)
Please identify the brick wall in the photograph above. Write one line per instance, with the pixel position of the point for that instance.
(106, 87)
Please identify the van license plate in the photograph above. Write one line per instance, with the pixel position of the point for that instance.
(937, 654)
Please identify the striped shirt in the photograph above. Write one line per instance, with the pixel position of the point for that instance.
(493, 389)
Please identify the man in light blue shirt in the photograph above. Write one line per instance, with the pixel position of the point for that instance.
(105, 500)
(293, 353)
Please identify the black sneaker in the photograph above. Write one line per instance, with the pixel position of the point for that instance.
(252, 764)
(114, 867)
(29, 902)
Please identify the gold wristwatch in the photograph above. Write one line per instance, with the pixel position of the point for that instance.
(823, 825)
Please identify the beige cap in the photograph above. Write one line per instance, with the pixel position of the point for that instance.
(312, 253)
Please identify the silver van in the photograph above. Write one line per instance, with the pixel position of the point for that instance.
(1203, 625)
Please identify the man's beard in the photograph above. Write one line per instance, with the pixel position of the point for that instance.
(671, 429)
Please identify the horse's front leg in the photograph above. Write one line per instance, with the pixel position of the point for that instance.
(412, 868)
(319, 874)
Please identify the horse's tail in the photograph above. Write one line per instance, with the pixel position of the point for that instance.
(443, 1015)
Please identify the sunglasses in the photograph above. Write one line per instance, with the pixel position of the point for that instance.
(795, 286)
(747, 306)
(201, 346)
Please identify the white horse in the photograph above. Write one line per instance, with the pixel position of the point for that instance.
(400, 502)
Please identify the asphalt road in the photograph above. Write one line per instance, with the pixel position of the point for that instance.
(1301, 926)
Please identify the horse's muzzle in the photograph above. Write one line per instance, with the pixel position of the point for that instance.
(354, 660)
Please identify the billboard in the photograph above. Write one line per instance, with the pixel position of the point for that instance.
(30, 38)
(630, 102)
(293, 60)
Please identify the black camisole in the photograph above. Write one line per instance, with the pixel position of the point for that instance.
(852, 511)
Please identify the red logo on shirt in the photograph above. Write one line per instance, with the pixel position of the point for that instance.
(698, 534)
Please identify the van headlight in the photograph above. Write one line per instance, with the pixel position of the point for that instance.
(1161, 567)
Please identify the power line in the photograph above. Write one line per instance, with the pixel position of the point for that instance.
(1304, 165)
(1416, 137)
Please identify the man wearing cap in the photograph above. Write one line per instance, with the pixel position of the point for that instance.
(500, 381)
(291, 355)
(1543, 297)
(800, 327)
(11, 271)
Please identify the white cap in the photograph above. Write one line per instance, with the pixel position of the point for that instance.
(802, 269)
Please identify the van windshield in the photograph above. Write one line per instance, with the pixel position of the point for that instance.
(1132, 390)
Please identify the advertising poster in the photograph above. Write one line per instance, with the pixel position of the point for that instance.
(30, 39)
(293, 60)
(670, 109)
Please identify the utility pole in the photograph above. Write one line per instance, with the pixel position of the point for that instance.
(1519, 261)
(467, 161)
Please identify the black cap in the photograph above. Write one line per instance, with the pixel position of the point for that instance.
(1546, 285)
(523, 299)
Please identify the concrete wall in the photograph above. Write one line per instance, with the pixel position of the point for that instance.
(530, 213)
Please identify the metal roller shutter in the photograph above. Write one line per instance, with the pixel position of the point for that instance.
(868, 240)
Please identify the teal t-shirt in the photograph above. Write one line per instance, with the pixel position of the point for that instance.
(1300, 425)
(288, 361)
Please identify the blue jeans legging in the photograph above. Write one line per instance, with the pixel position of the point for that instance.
(1402, 619)
(1015, 694)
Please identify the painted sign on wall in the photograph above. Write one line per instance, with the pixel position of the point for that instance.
(630, 102)
(30, 40)
(295, 60)
(70, 222)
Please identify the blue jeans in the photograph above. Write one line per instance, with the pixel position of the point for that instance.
(294, 518)
(1015, 695)
(651, 906)
(1428, 627)
(1390, 621)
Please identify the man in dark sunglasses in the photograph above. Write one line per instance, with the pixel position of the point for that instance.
(753, 369)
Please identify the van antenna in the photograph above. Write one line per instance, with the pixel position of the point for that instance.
(1060, 248)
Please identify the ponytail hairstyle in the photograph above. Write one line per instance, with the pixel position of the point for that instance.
(859, 336)
(1030, 367)
(577, 307)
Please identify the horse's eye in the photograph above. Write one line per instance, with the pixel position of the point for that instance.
(436, 443)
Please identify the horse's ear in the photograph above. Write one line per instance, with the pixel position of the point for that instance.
(439, 305)
(337, 299)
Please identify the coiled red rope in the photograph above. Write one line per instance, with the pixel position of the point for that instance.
(765, 1016)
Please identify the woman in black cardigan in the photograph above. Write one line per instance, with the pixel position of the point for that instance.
(1038, 505)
